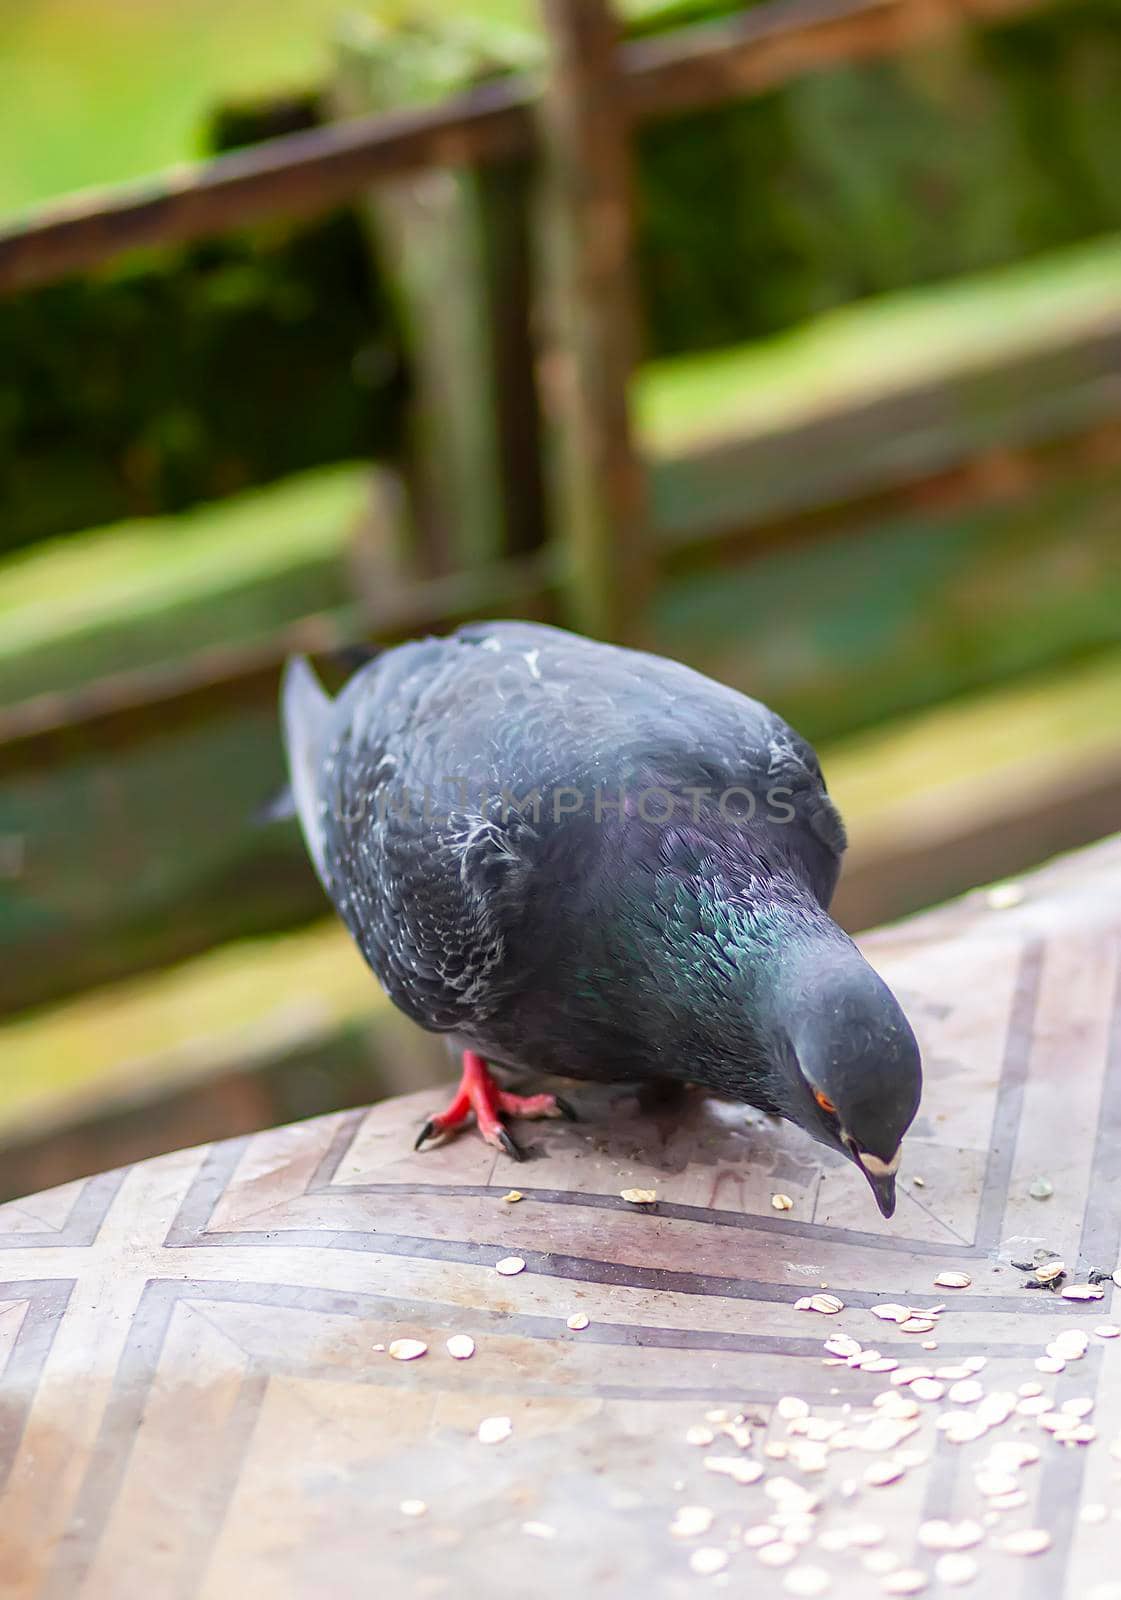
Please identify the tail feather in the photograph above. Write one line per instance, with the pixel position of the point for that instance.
(279, 807)
(306, 717)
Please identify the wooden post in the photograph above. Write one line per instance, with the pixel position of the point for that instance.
(455, 245)
(598, 493)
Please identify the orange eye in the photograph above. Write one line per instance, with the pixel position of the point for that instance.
(825, 1103)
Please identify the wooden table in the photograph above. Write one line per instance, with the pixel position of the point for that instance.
(198, 1399)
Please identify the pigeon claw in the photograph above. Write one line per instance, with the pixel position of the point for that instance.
(506, 1143)
(480, 1094)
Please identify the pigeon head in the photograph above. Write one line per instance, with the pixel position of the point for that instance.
(785, 1013)
(846, 1060)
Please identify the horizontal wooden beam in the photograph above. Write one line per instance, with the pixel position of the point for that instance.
(307, 173)
(128, 706)
(968, 437)
(910, 865)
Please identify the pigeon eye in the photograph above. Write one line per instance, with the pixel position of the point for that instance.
(825, 1103)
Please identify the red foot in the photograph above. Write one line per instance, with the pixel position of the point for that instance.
(479, 1093)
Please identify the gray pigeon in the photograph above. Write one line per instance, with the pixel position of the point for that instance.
(582, 860)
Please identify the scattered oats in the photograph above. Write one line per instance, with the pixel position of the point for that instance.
(928, 1389)
(893, 1404)
(1033, 1405)
(997, 1407)
(1107, 1330)
(827, 1304)
(1027, 1542)
(737, 1468)
(1072, 1339)
(888, 1311)
(861, 1361)
(960, 1428)
(878, 1474)
(1083, 1291)
(378, 1347)
(577, 1322)
(1009, 1455)
(1049, 1364)
(1004, 896)
(1009, 1502)
(1094, 1513)
(953, 1280)
(995, 1483)
(809, 1456)
(880, 1364)
(917, 1325)
(780, 1554)
(539, 1530)
(1030, 1390)
(930, 1344)
(953, 1373)
(903, 1376)
(690, 1522)
(865, 1535)
(919, 1183)
(413, 1508)
(966, 1391)
(775, 1450)
(739, 1434)
(708, 1560)
(407, 1349)
(908, 1580)
(511, 1198)
(1080, 1407)
(719, 1415)
(955, 1568)
(760, 1534)
(794, 1498)
(461, 1346)
(840, 1344)
(790, 1407)
(975, 1363)
(807, 1581)
(510, 1266)
(880, 1561)
(1048, 1271)
(642, 1197)
(493, 1430)
(912, 1458)
(1084, 1433)
(794, 1530)
(1041, 1189)
(782, 1202)
(940, 1535)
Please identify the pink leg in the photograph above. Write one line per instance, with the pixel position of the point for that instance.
(479, 1093)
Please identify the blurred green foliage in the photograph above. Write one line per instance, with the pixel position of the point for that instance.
(186, 376)
(993, 146)
(192, 375)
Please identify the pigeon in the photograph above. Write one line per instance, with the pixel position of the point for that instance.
(576, 859)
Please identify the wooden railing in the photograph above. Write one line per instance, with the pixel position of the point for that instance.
(306, 173)
(1031, 422)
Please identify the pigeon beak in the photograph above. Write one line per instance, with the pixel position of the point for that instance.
(883, 1187)
(880, 1175)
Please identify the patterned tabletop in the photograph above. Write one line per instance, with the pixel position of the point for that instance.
(202, 1395)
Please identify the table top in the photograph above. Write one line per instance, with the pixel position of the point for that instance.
(200, 1395)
